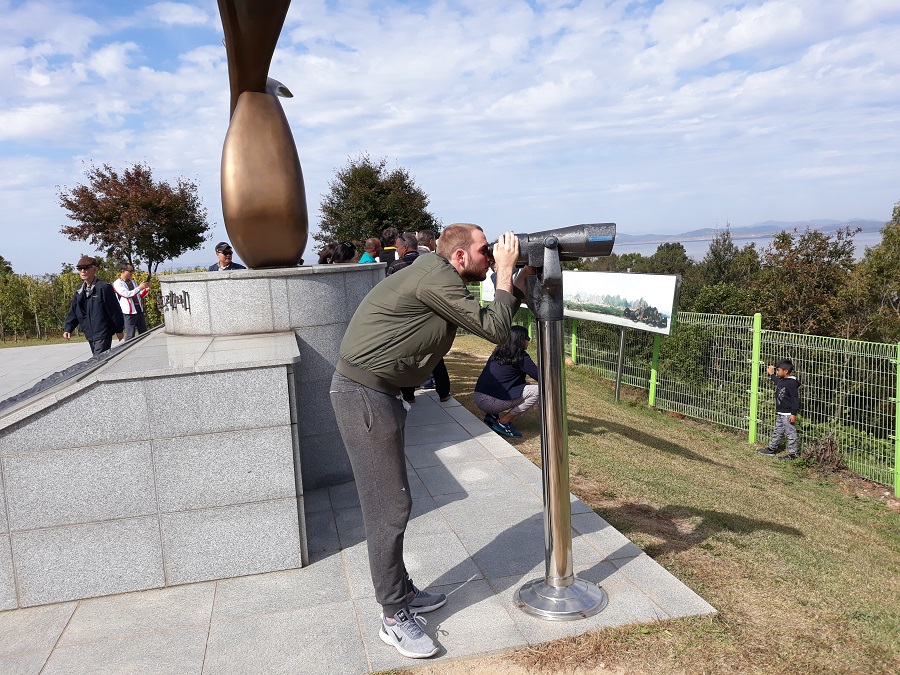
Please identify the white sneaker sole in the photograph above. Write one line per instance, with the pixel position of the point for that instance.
(386, 639)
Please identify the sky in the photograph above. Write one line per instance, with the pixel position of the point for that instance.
(661, 116)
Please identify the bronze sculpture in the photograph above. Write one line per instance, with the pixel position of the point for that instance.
(263, 196)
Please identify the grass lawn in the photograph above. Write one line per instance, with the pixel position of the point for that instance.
(33, 342)
(803, 568)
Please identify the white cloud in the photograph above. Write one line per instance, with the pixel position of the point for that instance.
(508, 113)
(178, 14)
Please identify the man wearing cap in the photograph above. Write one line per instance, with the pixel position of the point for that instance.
(402, 328)
(95, 309)
(224, 254)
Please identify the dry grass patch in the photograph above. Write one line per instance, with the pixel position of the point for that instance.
(803, 568)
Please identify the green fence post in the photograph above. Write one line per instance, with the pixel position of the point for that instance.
(754, 376)
(654, 369)
(574, 339)
(897, 429)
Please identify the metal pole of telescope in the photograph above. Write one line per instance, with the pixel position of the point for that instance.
(620, 364)
(559, 595)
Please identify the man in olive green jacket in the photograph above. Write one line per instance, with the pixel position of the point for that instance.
(403, 327)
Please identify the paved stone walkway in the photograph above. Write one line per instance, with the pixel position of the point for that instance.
(476, 534)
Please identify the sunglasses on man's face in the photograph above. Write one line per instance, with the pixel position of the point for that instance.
(227, 251)
(82, 268)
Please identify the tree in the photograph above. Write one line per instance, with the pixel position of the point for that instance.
(364, 199)
(723, 278)
(133, 218)
(801, 277)
(871, 299)
(725, 263)
(670, 258)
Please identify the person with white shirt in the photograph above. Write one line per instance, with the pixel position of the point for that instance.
(131, 301)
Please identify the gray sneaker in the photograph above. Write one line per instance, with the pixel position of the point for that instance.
(423, 601)
(407, 637)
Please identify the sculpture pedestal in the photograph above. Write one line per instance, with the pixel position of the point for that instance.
(316, 304)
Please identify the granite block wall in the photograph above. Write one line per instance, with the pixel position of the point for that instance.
(191, 467)
(199, 484)
(7, 582)
(316, 303)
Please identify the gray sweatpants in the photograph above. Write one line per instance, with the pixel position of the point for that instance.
(371, 425)
(783, 427)
(531, 396)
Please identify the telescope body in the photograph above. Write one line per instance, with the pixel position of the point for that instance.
(573, 243)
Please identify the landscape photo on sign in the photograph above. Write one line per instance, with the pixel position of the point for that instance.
(643, 301)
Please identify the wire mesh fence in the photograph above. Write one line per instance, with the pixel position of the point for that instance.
(706, 368)
(848, 390)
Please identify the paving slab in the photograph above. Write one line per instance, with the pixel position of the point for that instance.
(476, 533)
(23, 367)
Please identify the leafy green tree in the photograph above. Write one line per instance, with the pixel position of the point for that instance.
(365, 198)
(722, 279)
(870, 301)
(133, 218)
(670, 258)
(13, 305)
(726, 263)
(6, 271)
(800, 279)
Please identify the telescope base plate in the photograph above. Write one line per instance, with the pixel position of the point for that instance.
(579, 600)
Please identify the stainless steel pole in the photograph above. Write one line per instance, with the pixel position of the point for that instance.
(559, 596)
(620, 365)
(555, 456)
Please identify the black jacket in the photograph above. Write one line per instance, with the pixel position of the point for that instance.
(98, 315)
(401, 263)
(505, 382)
(787, 394)
(231, 266)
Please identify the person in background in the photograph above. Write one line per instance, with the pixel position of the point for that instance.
(345, 252)
(405, 244)
(501, 390)
(95, 309)
(225, 254)
(131, 300)
(388, 251)
(372, 249)
(326, 253)
(425, 239)
(787, 405)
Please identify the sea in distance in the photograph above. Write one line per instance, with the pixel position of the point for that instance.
(697, 248)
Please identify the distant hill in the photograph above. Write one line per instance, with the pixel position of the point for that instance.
(766, 229)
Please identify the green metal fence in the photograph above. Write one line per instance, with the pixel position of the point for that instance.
(848, 388)
(704, 368)
(712, 367)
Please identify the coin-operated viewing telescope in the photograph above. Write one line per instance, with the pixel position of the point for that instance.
(559, 595)
(572, 243)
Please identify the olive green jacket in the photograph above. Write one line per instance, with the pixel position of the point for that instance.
(406, 324)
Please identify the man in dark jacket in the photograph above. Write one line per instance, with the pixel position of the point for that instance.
(95, 309)
(403, 327)
(225, 254)
(407, 252)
